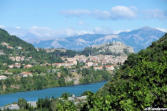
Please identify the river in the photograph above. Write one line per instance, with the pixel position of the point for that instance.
(50, 92)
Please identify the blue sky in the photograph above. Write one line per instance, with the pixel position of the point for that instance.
(69, 17)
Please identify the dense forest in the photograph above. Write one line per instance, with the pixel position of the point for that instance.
(139, 83)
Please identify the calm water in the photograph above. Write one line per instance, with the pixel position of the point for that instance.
(50, 92)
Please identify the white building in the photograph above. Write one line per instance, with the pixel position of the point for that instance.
(2, 77)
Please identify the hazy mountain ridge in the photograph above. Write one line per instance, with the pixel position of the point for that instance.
(114, 48)
(138, 39)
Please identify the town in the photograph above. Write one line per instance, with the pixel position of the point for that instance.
(98, 62)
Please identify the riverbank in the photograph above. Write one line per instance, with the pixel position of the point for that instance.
(75, 99)
(68, 85)
(50, 92)
(38, 82)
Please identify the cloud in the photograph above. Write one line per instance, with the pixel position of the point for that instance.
(2, 26)
(42, 31)
(155, 13)
(81, 23)
(18, 27)
(36, 33)
(117, 12)
(162, 29)
(119, 31)
(48, 33)
(72, 32)
(76, 12)
(123, 12)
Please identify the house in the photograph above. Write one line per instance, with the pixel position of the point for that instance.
(17, 65)
(19, 58)
(32, 103)
(63, 64)
(9, 47)
(2, 77)
(74, 62)
(26, 74)
(98, 68)
(28, 66)
(11, 66)
(109, 67)
(4, 44)
(58, 64)
(9, 73)
(89, 64)
(1, 52)
(19, 47)
(82, 98)
(10, 107)
(12, 58)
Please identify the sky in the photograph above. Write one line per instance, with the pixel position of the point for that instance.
(48, 19)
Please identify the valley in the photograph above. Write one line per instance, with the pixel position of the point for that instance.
(83, 55)
(137, 84)
(25, 68)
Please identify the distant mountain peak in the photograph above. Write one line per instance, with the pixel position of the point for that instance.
(138, 39)
(147, 28)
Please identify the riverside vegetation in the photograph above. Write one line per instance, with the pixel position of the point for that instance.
(24, 67)
(138, 84)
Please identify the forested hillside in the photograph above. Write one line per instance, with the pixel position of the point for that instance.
(11, 47)
(140, 83)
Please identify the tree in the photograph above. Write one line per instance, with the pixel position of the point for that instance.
(65, 95)
(87, 93)
(22, 103)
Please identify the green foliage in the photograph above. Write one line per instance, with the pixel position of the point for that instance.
(60, 105)
(139, 83)
(90, 75)
(44, 78)
(67, 53)
(87, 93)
(43, 103)
(24, 105)
(65, 95)
(28, 50)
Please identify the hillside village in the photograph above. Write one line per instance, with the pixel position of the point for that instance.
(98, 62)
(24, 67)
(83, 55)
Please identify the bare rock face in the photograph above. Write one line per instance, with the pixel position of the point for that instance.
(114, 48)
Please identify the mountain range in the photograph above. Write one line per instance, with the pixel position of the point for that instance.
(138, 39)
